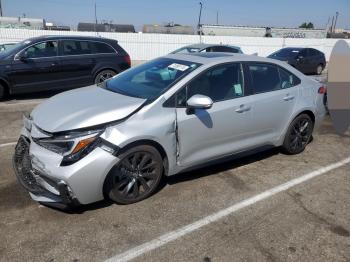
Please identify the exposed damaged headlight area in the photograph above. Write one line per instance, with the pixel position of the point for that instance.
(75, 145)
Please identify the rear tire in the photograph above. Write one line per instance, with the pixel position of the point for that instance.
(298, 135)
(136, 176)
(104, 75)
(2, 92)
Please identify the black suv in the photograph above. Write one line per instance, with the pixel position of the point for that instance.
(306, 60)
(59, 62)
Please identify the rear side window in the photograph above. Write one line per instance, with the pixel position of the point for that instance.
(314, 52)
(264, 77)
(288, 79)
(73, 47)
(304, 53)
(101, 48)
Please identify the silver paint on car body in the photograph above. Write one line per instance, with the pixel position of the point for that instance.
(187, 139)
(84, 107)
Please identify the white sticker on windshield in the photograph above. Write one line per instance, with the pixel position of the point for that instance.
(178, 67)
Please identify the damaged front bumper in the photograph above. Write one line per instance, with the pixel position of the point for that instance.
(41, 187)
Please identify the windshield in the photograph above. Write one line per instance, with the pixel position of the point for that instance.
(186, 50)
(150, 80)
(7, 49)
(287, 52)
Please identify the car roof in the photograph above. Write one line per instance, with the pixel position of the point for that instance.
(203, 46)
(219, 57)
(293, 48)
(74, 37)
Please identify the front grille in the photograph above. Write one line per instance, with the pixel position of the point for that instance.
(23, 166)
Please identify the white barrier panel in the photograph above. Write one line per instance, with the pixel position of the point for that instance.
(148, 46)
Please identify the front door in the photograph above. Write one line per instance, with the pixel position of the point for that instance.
(206, 134)
(36, 68)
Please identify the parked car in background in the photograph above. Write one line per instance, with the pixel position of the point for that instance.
(163, 117)
(306, 60)
(6, 46)
(59, 62)
(197, 48)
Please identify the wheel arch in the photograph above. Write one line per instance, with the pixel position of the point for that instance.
(152, 143)
(100, 69)
(307, 111)
(149, 142)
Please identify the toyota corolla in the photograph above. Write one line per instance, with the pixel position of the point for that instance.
(161, 118)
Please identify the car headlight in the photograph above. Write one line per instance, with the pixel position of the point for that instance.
(72, 146)
(81, 149)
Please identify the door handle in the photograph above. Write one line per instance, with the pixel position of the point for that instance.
(242, 109)
(288, 98)
(53, 64)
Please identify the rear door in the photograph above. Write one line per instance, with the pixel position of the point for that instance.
(274, 94)
(36, 68)
(206, 134)
(77, 62)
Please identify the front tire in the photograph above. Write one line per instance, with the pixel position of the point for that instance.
(298, 135)
(136, 176)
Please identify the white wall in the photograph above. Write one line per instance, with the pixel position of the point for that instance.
(148, 46)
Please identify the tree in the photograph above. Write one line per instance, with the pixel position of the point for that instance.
(307, 25)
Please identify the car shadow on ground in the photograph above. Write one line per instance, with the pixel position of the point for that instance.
(209, 169)
(224, 164)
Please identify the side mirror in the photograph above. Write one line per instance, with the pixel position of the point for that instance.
(199, 102)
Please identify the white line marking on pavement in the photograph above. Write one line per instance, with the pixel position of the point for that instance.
(7, 144)
(178, 233)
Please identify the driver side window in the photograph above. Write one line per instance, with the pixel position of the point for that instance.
(44, 49)
(220, 83)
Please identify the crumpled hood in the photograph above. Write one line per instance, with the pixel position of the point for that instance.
(83, 107)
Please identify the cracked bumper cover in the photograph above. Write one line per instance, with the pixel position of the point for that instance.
(39, 172)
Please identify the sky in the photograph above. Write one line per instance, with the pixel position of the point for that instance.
(273, 13)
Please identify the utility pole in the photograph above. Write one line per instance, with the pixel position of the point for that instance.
(217, 17)
(95, 18)
(335, 22)
(332, 24)
(199, 22)
(0, 8)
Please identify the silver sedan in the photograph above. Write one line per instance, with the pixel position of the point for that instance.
(163, 117)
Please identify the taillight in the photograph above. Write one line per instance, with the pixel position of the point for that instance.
(322, 90)
(128, 60)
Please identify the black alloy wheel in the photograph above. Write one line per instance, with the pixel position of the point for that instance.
(298, 135)
(136, 176)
